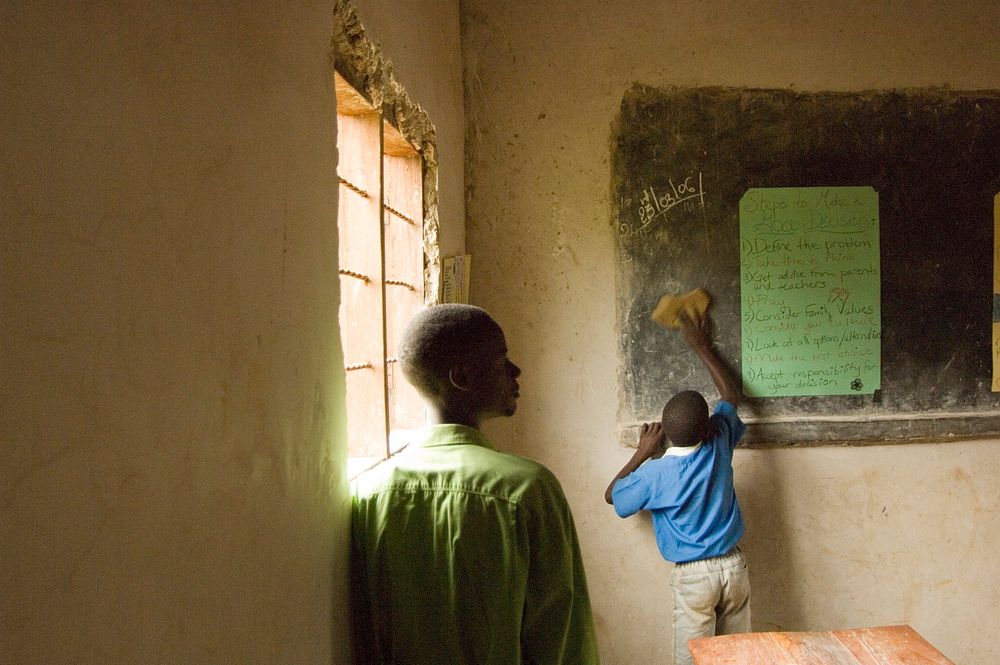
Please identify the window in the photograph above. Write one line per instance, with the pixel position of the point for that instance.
(380, 222)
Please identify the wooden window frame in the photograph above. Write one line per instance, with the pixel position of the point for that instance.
(381, 262)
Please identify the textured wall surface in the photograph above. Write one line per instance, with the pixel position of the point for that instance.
(837, 537)
(171, 463)
(421, 40)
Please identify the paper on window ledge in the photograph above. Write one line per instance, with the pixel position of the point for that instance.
(455, 278)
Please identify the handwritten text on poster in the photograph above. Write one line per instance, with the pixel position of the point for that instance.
(810, 291)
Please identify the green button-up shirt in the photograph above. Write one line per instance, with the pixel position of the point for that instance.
(464, 554)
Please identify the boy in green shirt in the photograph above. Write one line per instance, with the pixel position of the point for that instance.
(461, 553)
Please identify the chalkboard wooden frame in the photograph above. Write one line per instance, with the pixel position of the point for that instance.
(681, 158)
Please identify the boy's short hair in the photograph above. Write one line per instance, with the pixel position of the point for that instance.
(440, 338)
(685, 418)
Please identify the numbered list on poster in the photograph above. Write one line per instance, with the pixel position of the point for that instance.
(810, 291)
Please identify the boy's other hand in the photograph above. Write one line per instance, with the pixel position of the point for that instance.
(652, 440)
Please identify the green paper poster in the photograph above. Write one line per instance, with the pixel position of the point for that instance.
(810, 291)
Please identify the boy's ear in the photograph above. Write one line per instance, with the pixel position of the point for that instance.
(458, 376)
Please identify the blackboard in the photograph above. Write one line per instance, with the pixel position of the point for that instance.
(682, 158)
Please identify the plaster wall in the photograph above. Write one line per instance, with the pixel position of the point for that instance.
(421, 39)
(172, 481)
(837, 537)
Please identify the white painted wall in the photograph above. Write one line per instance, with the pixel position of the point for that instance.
(171, 433)
(172, 485)
(837, 537)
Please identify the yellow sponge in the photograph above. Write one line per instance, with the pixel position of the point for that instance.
(694, 304)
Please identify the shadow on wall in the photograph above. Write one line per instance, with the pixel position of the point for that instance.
(776, 596)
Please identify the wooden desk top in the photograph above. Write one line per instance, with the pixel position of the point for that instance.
(885, 645)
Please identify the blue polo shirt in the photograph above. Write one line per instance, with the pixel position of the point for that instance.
(691, 497)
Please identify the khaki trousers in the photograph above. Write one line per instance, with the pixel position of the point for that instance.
(711, 597)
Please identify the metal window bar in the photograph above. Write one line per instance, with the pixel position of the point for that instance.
(356, 275)
(353, 367)
(351, 186)
(399, 214)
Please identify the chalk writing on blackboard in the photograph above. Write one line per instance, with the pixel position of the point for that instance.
(810, 291)
(656, 202)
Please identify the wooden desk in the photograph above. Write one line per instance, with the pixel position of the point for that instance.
(886, 645)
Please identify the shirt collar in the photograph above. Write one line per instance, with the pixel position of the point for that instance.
(683, 451)
(450, 435)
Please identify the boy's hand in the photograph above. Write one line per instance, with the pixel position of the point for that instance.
(652, 440)
(696, 331)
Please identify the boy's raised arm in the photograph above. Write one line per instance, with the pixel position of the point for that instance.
(697, 334)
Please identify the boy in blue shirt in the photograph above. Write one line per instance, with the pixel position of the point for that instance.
(688, 488)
